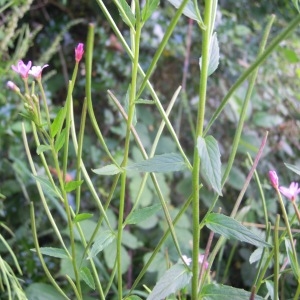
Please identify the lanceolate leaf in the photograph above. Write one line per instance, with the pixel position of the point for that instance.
(57, 123)
(103, 240)
(54, 252)
(218, 291)
(126, 13)
(142, 214)
(87, 277)
(72, 185)
(82, 217)
(176, 278)
(170, 162)
(42, 148)
(60, 140)
(230, 228)
(214, 55)
(47, 186)
(210, 163)
(149, 8)
(189, 10)
(108, 170)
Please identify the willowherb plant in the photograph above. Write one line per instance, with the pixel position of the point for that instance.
(188, 276)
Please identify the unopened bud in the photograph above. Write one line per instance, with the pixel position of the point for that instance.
(12, 86)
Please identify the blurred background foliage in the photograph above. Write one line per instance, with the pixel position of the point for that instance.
(48, 31)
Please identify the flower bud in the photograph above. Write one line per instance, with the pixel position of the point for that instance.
(273, 179)
(12, 86)
(79, 52)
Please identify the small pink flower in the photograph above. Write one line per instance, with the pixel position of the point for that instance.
(200, 260)
(79, 52)
(290, 192)
(22, 69)
(273, 179)
(12, 86)
(187, 260)
(36, 71)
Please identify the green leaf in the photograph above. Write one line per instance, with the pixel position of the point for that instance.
(87, 277)
(189, 10)
(57, 123)
(108, 170)
(42, 148)
(291, 257)
(214, 55)
(43, 291)
(169, 162)
(293, 168)
(82, 217)
(230, 228)
(148, 9)
(142, 214)
(47, 186)
(103, 239)
(209, 154)
(176, 278)
(72, 185)
(53, 252)
(126, 13)
(217, 291)
(60, 140)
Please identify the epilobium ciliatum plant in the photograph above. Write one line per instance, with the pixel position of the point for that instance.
(190, 275)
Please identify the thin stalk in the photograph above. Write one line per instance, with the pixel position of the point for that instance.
(45, 104)
(199, 132)
(288, 227)
(135, 39)
(259, 60)
(88, 90)
(79, 153)
(276, 258)
(41, 193)
(62, 182)
(37, 247)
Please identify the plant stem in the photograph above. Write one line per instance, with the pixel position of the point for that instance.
(135, 39)
(276, 258)
(199, 132)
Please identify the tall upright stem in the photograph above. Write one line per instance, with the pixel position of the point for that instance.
(209, 4)
(135, 37)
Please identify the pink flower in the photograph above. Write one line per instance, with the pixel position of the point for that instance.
(290, 192)
(22, 69)
(200, 261)
(36, 71)
(79, 52)
(12, 86)
(273, 179)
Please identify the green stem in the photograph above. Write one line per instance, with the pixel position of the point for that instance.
(276, 258)
(45, 104)
(259, 60)
(199, 132)
(88, 90)
(38, 251)
(135, 38)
